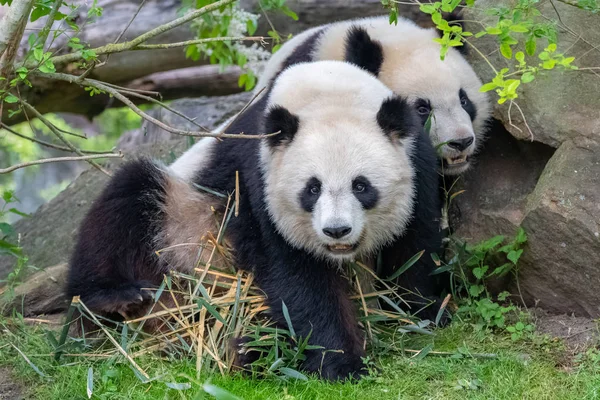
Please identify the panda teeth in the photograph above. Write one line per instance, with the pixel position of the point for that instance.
(457, 160)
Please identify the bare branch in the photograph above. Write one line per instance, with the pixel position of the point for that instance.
(200, 41)
(59, 134)
(119, 96)
(43, 142)
(59, 159)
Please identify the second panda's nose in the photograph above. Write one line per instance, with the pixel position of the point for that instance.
(337, 232)
(461, 144)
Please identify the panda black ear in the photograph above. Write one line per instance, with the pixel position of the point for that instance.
(280, 119)
(455, 18)
(363, 51)
(397, 118)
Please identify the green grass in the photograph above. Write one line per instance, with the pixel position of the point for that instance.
(521, 370)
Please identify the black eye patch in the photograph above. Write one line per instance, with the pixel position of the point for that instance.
(423, 108)
(310, 194)
(467, 104)
(366, 193)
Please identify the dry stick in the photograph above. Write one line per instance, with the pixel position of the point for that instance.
(44, 143)
(447, 353)
(200, 41)
(115, 93)
(121, 47)
(77, 300)
(59, 159)
(58, 133)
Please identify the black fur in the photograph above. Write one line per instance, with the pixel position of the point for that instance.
(363, 51)
(113, 257)
(467, 104)
(397, 118)
(455, 18)
(280, 119)
(368, 196)
(422, 233)
(307, 198)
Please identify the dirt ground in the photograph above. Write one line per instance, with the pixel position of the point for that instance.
(9, 390)
(577, 332)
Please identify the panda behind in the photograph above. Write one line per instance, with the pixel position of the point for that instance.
(404, 57)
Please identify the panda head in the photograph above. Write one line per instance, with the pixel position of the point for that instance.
(338, 178)
(444, 92)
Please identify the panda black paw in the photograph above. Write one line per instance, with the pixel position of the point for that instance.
(242, 357)
(336, 366)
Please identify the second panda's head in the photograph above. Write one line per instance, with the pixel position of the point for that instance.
(445, 93)
(338, 178)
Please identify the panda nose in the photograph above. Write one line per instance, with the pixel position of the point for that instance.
(461, 144)
(337, 232)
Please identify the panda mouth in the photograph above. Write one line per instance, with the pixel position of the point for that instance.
(342, 248)
(457, 161)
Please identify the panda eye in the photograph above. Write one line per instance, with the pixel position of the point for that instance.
(463, 101)
(314, 189)
(359, 187)
(423, 110)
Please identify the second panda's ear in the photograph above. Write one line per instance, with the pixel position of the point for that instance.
(280, 119)
(397, 118)
(363, 51)
(455, 18)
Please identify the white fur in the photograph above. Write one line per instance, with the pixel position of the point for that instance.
(411, 68)
(190, 163)
(338, 140)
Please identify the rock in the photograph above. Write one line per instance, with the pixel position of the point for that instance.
(42, 293)
(558, 106)
(560, 264)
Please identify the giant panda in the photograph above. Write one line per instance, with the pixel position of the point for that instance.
(338, 182)
(406, 58)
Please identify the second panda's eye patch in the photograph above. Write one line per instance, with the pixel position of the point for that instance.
(467, 104)
(366, 193)
(310, 194)
(423, 107)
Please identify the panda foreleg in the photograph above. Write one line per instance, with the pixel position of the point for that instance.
(317, 299)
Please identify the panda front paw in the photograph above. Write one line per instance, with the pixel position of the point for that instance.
(336, 366)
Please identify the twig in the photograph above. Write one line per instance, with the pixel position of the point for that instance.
(48, 26)
(58, 133)
(44, 143)
(77, 300)
(115, 93)
(130, 21)
(447, 353)
(59, 159)
(199, 41)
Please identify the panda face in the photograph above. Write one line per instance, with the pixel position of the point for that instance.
(340, 187)
(446, 96)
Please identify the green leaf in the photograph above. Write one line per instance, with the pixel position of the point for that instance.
(436, 17)
(6, 229)
(217, 392)
(38, 53)
(39, 11)
(406, 265)
(551, 47)
(544, 55)
(520, 56)
(476, 290)
(288, 320)
(549, 64)
(211, 310)
(518, 28)
(427, 8)
(287, 11)
(488, 86)
(506, 50)
(514, 256)
(423, 353)
(11, 98)
(47, 67)
(90, 383)
(292, 373)
(480, 34)
(17, 212)
(493, 30)
(530, 45)
(520, 326)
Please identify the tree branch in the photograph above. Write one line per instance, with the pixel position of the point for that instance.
(199, 41)
(59, 159)
(113, 48)
(43, 142)
(119, 96)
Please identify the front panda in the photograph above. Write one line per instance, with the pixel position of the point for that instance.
(335, 184)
